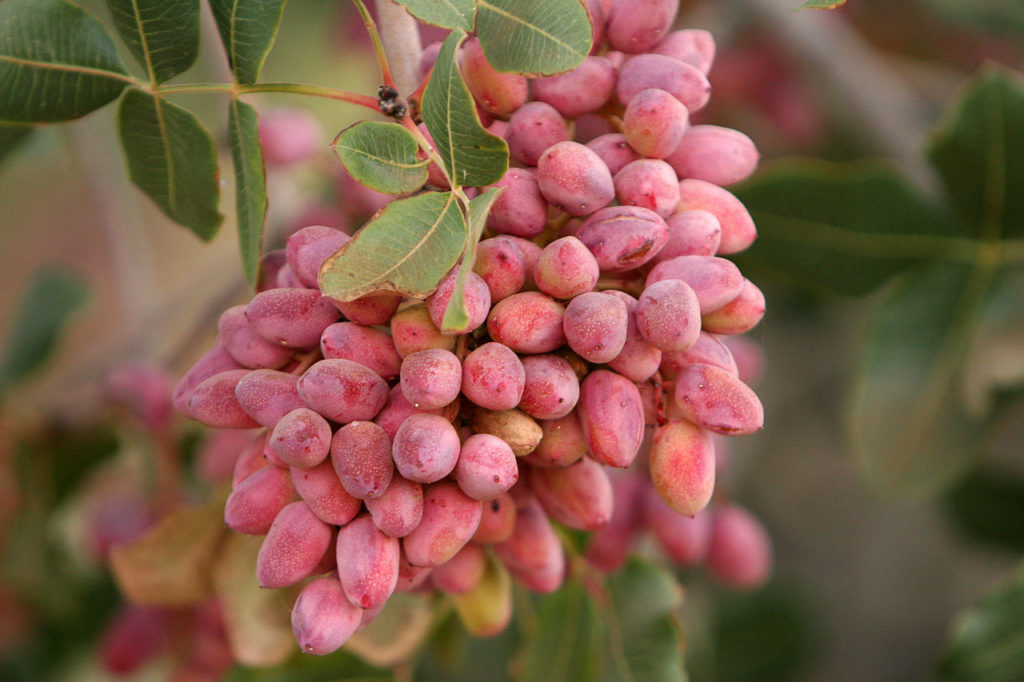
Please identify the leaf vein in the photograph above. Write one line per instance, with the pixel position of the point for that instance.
(553, 38)
(68, 68)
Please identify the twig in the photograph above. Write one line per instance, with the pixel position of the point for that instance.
(170, 329)
(401, 37)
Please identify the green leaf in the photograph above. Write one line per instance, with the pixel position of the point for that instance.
(11, 136)
(471, 155)
(845, 228)
(454, 652)
(1001, 18)
(247, 29)
(171, 158)
(822, 4)
(250, 184)
(644, 641)
(989, 506)
(341, 665)
(406, 248)
(42, 313)
(62, 461)
(986, 642)
(565, 642)
(56, 62)
(979, 152)
(763, 635)
(443, 13)
(534, 38)
(381, 156)
(909, 424)
(456, 317)
(162, 34)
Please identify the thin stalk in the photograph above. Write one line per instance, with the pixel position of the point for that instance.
(414, 98)
(291, 88)
(378, 47)
(428, 149)
(400, 34)
(313, 91)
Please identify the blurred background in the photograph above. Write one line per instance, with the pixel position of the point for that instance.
(867, 586)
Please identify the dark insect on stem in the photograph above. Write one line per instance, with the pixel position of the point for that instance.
(391, 103)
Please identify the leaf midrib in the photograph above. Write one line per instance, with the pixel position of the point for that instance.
(144, 43)
(553, 38)
(245, 180)
(451, 75)
(426, 235)
(164, 139)
(60, 66)
(231, 36)
(387, 161)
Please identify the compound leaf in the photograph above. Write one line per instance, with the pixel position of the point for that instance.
(172, 159)
(56, 62)
(162, 34)
(913, 422)
(247, 29)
